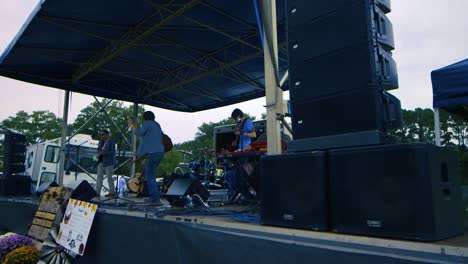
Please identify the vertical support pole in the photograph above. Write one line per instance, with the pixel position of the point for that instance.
(437, 126)
(134, 139)
(63, 139)
(274, 96)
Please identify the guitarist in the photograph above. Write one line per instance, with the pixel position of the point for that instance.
(106, 161)
(151, 145)
(245, 130)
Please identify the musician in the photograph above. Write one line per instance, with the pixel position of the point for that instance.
(151, 145)
(106, 161)
(245, 130)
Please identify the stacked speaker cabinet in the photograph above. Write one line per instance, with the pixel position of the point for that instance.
(340, 67)
(295, 190)
(14, 153)
(406, 191)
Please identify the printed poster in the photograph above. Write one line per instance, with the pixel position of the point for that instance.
(76, 224)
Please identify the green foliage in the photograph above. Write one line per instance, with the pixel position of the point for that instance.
(115, 121)
(37, 127)
(418, 126)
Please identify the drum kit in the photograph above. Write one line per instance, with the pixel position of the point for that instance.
(202, 169)
(232, 181)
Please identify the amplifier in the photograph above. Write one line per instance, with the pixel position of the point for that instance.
(224, 135)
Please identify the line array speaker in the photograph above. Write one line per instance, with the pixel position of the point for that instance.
(359, 110)
(340, 61)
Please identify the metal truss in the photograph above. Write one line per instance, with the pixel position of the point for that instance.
(204, 74)
(72, 28)
(185, 71)
(130, 38)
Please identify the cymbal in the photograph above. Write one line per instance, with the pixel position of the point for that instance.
(185, 151)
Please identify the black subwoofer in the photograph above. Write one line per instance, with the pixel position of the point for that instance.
(295, 190)
(405, 191)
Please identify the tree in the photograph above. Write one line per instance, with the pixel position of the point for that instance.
(115, 121)
(418, 126)
(459, 131)
(37, 127)
(445, 133)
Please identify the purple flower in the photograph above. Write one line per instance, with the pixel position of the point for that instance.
(12, 242)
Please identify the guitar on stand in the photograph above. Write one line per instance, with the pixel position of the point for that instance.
(136, 184)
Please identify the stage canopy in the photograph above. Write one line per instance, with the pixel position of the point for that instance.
(184, 55)
(450, 88)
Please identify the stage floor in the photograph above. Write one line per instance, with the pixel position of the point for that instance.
(238, 230)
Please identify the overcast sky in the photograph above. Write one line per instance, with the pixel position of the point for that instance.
(429, 34)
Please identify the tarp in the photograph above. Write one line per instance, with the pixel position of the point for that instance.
(184, 55)
(450, 88)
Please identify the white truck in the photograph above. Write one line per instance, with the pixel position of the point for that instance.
(42, 161)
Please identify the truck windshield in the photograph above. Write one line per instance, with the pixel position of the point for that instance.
(79, 158)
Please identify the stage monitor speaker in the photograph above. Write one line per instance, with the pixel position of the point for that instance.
(84, 192)
(404, 191)
(185, 186)
(295, 190)
(357, 111)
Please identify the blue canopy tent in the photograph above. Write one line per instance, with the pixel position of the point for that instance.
(450, 92)
(183, 55)
(450, 88)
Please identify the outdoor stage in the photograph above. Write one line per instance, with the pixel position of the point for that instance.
(228, 234)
